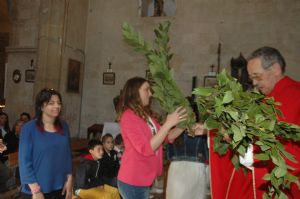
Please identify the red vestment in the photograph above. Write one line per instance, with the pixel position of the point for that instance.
(228, 183)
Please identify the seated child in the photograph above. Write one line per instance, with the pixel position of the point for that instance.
(119, 146)
(89, 182)
(110, 161)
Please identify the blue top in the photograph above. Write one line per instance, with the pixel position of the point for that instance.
(44, 158)
(193, 149)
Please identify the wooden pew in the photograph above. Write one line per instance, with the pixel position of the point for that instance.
(13, 159)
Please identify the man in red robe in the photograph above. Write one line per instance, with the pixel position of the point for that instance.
(266, 67)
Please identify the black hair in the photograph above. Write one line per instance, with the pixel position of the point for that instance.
(6, 125)
(42, 98)
(26, 114)
(93, 143)
(118, 139)
(107, 135)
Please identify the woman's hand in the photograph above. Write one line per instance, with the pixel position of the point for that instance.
(67, 190)
(2, 146)
(39, 195)
(176, 117)
(199, 129)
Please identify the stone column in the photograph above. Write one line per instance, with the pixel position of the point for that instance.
(50, 44)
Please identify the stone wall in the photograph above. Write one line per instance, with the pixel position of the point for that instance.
(52, 32)
(21, 50)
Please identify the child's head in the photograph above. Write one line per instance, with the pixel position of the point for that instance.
(95, 149)
(119, 140)
(108, 142)
(17, 127)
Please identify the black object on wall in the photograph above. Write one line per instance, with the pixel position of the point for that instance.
(239, 71)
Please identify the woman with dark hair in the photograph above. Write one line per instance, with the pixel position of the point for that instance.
(4, 124)
(44, 151)
(4, 130)
(12, 138)
(25, 117)
(143, 138)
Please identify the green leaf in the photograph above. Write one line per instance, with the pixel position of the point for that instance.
(237, 134)
(290, 177)
(219, 147)
(259, 118)
(211, 124)
(204, 91)
(235, 161)
(280, 171)
(265, 196)
(265, 147)
(267, 177)
(261, 156)
(282, 196)
(222, 78)
(242, 150)
(234, 114)
(228, 97)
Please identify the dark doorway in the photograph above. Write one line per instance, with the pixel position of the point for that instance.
(4, 40)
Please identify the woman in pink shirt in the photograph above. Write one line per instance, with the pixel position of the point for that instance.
(143, 138)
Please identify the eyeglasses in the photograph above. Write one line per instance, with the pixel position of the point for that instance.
(257, 77)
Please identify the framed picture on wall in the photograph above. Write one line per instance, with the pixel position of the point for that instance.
(108, 78)
(29, 75)
(209, 80)
(73, 79)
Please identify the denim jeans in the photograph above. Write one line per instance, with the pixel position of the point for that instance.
(110, 181)
(133, 192)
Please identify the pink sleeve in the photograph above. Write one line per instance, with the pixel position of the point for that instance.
(134, 129)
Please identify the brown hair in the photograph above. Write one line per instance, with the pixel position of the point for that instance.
(130, 99)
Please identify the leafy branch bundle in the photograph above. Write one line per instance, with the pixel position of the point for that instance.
(247, 117)
(165, 88)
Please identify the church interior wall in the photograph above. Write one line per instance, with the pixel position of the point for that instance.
(92, 35)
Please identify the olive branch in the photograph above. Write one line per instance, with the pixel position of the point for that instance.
(248, 117)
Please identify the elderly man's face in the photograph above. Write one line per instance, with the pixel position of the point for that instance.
(262, 79)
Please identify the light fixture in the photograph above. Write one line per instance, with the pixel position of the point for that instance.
(2, 103)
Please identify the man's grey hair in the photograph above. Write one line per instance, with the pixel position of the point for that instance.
(268, 56)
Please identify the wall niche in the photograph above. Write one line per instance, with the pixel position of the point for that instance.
(157, 8)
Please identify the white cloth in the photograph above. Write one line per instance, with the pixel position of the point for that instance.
(111, 127)
(187, 180)
(247, 160)
(3, 131)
